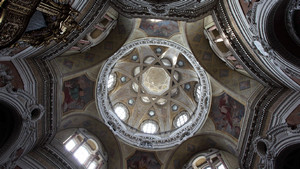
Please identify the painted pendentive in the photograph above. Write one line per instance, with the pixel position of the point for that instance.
(143, 160)
(159, 28)
(227, 114)
(78, 92)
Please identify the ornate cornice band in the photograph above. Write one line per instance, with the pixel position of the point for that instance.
(187, 10)
(134, 136)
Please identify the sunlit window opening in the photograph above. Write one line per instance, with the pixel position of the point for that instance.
(86, 150)
(181, 120)
(93, 165)
(70, 145)
(221, 166)
(111, 81)
(121, 111)
(209, 159)
(81, 154)
(197, 92)
(149, 127)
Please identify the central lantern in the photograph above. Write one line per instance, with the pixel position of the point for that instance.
(156, 81)
(153, 94)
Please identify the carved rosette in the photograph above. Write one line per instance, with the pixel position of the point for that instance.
(134, 136)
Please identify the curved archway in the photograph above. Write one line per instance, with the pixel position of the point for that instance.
(10, 126)
(278, 33)
(199, 143)
(100, 131)
(288, 158)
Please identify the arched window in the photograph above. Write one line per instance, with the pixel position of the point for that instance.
(86, 150)
(211, 159)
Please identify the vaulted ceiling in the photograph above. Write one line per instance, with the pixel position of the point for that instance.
(187, 77)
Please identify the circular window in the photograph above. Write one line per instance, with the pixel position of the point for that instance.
(149, 126)
(154, 91)
(121, 111)
(181, 119)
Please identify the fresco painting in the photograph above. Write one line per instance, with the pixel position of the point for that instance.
(68, 63)
(245, 85)
(197, 38)
(159, 28)
(294, 118)
(224, 73)
(78, 92)
(207, 56)
(89, 56)
(227, 114)
(9, 74)
(11, 51)
(143, 160)
(295, 79)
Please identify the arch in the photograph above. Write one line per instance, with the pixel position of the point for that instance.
(99, 131)
(199, 143)
(16, 107)
(84, 147)
(10, 125)
(208, 159)
(288, 158)
(280, 142)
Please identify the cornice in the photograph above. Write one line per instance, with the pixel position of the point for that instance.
(245, 55)
(265, 59)
(48, 89)
(91, 18)
(30, 112)
(133, 136)
(277, 139)
(185, 10)
(256, 121)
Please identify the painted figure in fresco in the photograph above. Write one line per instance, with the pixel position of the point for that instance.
(159, 28)
(142, 160)
(225, 109)
(75, 93)
(227, 115)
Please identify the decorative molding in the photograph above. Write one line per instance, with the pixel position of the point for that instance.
(238, 48)
(276, 140)
(28, 162)
(30, 112)
(259, 112)
(52, 151)
(188, 10)
(14, 17)
(293, 5)
(87, 24)
(132, 135)
(26, 75)
(48, 88)
(286, 107)
(5, 75)
(209, 155)
(253, 27)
